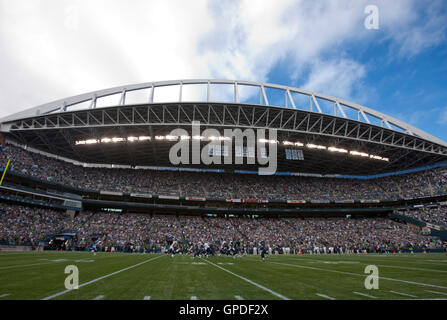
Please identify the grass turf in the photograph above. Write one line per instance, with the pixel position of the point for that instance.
(40, 275)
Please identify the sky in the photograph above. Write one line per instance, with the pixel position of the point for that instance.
(52, 49)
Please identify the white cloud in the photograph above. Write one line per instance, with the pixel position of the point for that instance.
(442, 119)
(418, 28)
(114, 44)
(53, 49)
(337, 78)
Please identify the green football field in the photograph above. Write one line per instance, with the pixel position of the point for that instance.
(40, 275)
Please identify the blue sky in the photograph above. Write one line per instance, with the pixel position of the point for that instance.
(54, 49)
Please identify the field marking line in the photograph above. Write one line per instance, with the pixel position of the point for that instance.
(98, 297)
(408, 268)
(403, 259)
(403, 294)
(250, 281)
(4, 295)
(364, 294)
(443, 293)
(29, 265)
(325, 296)
(380, 265)
(370, 256)
(100, 278)
(360, 275)
(147, 298)
(49, 262)
(23, 253)
(239, 298)
(194, 298)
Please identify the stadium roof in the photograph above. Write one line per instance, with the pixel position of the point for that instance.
(155, 108)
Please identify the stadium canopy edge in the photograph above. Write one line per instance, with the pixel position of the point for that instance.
(339, 107)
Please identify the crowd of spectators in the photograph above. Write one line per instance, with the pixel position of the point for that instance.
(31, 226)
(142, 232)
(20, 225)
(309, 234)
(433, 215)
(224, 185)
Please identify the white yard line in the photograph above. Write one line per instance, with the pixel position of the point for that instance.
(98, 297)
(239, 298)
(402, 259)
(147, 298)
(28, 265)
(359, 275)
(325, 296)
(409, 268)
(364, 294)
(100, 278)
(396, 259)
(436, 292)
(379, 265)
(249, 281)
(55, 261)
(403, 294)
(4, 295)
(194, 298)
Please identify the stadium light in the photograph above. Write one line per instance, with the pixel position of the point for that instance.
(379, 158)
(297, 144)
(315, 146)
(357, 153)
(334, 149)
(221, 138)
(267, 141)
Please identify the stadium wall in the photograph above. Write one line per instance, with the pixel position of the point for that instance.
(15, 248)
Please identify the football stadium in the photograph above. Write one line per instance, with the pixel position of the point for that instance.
(95, 204)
